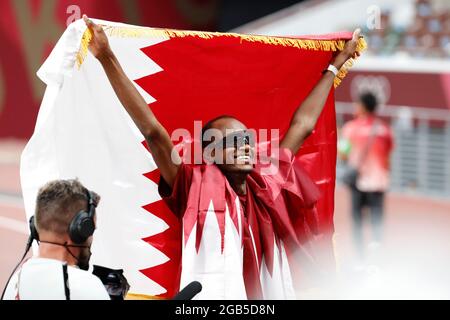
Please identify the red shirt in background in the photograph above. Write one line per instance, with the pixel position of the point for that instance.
(374, 169)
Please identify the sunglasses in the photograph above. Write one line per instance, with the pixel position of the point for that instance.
(238, 140)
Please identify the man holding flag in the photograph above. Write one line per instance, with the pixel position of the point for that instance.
(265, 221)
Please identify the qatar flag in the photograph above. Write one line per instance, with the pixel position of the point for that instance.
(83, 132)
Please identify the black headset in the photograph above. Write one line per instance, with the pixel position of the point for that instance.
(81, 227)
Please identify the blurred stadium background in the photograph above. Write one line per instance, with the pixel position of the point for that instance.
(407, 66)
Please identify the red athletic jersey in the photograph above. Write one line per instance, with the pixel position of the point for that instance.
(269, 229)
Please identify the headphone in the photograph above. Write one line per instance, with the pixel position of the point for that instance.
(81, 227)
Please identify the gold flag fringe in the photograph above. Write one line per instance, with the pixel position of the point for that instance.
(138, 296)
(306, 44)
(362, 45)
(84, 47)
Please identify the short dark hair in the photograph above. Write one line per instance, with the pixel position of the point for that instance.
(368, 101)
(57, 203)
(209, 125)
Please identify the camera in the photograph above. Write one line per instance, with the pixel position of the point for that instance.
(114, 281)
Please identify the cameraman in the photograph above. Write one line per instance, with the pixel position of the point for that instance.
(63, 225)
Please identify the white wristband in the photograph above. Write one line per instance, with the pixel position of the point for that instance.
(333, 69)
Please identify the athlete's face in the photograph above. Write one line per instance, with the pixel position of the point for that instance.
(235, 149)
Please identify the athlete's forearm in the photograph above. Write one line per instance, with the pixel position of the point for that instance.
(128, 95)
(305, 117)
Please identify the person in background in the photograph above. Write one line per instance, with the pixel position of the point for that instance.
(366, 144)
(63, 225)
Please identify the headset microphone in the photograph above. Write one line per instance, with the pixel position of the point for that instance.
(33, 236)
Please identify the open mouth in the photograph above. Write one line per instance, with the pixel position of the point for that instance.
(243, 159)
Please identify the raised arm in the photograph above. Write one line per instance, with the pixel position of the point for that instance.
(305, 117)
(155, 134)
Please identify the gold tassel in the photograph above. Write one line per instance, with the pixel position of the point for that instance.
(84, 47)
(324, 45)
(138, 296)
(362, 45)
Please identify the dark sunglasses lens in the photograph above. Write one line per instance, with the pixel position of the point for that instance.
(249, 139)
(242, 139)
(238, 140)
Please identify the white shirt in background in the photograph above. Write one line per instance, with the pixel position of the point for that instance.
(43, 279)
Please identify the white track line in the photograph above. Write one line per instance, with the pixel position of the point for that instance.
(14, 225)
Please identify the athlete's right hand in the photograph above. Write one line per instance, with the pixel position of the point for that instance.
(99, 45)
